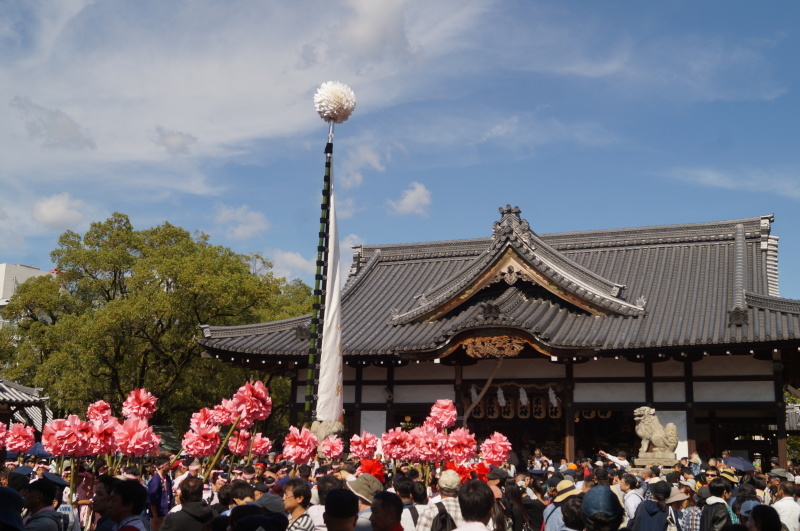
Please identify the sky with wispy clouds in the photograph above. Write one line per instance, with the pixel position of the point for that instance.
(587, 115)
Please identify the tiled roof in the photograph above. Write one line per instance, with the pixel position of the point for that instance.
(14, 394)
(607, 291)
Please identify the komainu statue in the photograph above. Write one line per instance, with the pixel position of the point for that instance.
(658, 442)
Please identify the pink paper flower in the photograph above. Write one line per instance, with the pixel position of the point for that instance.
(252, 402)
(3, 432)
(396, 443)
(331, 447)
(135, 438)
(100, 410)
(261, 445)
(202, 442)
(70, 436)
(363, 447)
(495, 449)
(300, 445)
(140, 404)
(221, 416)
(443, 414)
(104, 439)
(461, 445)
(429, 444)
(205, 418)
(239, 443)
(50, 439)
(19, 438)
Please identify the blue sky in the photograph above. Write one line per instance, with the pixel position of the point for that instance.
(587, 115)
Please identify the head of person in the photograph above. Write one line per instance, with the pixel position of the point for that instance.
(365, 487)
(128, 498)
(476, 500)
(191, 490)
(102, 493)
(296, 494)
(325, 484)
(402, 486)
(341, 510)
(601, 510)
(419, 493)
(449, 483)
(720, 487)
(241, 492)
(572, 512)
(763, 518)
(387, 508)
(39, 494)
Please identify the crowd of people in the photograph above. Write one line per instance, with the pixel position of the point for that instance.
(605, 493)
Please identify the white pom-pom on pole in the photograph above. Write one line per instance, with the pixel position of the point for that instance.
(334, 102)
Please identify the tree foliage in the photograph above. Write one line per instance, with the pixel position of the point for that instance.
(123, 311)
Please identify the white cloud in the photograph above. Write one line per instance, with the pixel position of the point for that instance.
(345, 207)
(346, 254)
(174, 142)
(53, 127)
(357, 159)
(290, 264)
(780, 181)
(240, 222)
(414, 200)
(59, 211)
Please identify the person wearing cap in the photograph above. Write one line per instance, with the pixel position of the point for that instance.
(652, 514)
(38, 500)
(717, 514)
(449, 484)
(746, 510)
(477, 504)
(621, 460)
(553, 520)
(776, 476)
(365, 487)
(11, 504)
(601, 510)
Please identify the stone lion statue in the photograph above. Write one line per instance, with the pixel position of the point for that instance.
(664, 439)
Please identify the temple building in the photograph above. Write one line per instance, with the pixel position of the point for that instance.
(555, 339)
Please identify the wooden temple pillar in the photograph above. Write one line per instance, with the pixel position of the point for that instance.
(569, 414)
(691, 437)
(780, 406)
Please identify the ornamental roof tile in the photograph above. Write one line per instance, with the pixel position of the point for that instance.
(666, 286)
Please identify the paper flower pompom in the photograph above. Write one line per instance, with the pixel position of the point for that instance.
(3, 432)
(443, 414)
(252, 402)
(331, 447)
(495, 449)
(140, 404)
(261, 445)
(373, 468)
(135, 438)
(202, 442)
(334, 102)
(481, 470)
(363, 447)
(67, 436)
(461, 445)
(300, 445)
(429, 443)
(239, 442)
(19, 438)
(103, 436)
(203, 418)
(396, 443)
(100, 410)
(221, 415)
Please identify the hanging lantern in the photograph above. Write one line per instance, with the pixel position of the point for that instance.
(589, 413)
(539, 407)
(524, 405)
(478, 411)
(604, 414)
(492, 407)
(554, 412)
(508, 411)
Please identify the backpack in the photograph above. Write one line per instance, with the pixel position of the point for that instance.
(414, 513)
(442, 521)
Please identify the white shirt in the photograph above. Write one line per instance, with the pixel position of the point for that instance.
(789, 512)
(622, 463)
(472, 526)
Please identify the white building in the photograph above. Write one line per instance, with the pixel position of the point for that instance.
(11, 277)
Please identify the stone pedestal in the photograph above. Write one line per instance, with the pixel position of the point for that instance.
(655, 458)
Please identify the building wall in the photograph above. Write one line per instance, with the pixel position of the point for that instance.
(11, 276)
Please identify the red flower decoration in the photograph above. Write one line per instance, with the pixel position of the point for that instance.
(300, 445)
(461, 445)
(443, 414)
(203, 418)
(19, 438)
(396, 443)
(201, 442)
(140, 404)
(104, 436)
(100, 410)
(261, 445)
(464, 472)
(135, 438)
(480, 470)
(331, 447)
(67, 436)
(363, 447)
(239, 443)
(495, 449)
(373, 468)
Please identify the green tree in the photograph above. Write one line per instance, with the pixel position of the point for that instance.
(123, 312)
